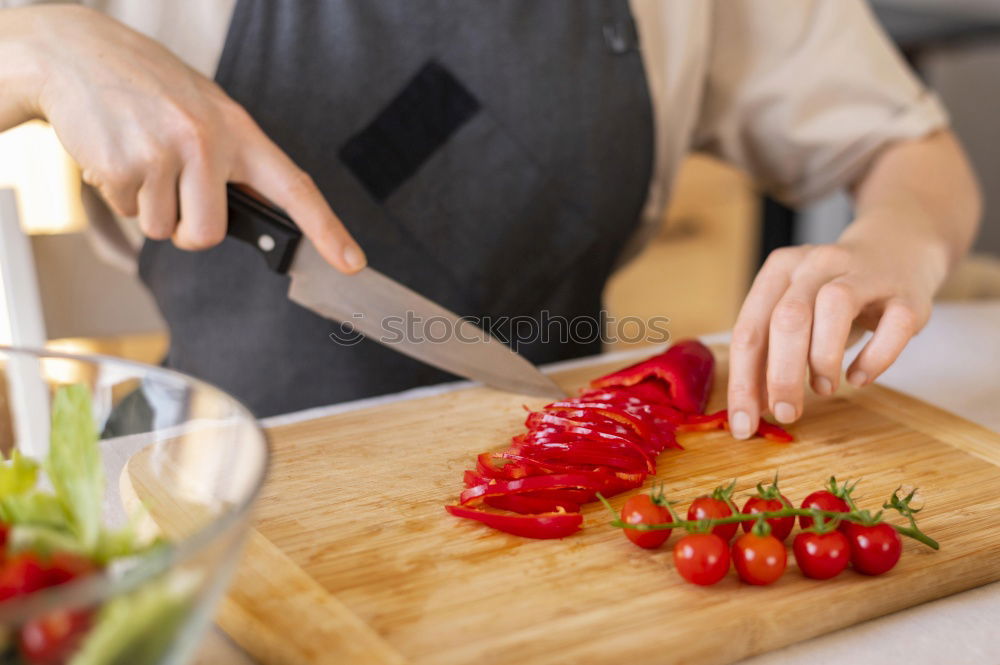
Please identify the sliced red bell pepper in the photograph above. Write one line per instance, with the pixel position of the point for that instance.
(590, 482)
(720, 420)
(704, 422)
(591, 432)
(686, 367)
(772, 432)
(472, 478)
(542, 526)
(581, 452)
(495, 465)
(530, 505)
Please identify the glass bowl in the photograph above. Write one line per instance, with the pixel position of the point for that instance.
(182, 464)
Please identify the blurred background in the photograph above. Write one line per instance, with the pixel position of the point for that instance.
(696, 271)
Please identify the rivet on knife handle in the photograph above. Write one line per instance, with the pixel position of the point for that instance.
(269, 231)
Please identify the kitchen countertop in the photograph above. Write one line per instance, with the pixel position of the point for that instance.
(953, 363)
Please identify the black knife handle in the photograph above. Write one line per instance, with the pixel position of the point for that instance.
(265, 228)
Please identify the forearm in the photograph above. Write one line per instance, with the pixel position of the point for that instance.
(20, 68)
(923, 196)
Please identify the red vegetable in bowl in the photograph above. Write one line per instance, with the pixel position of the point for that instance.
(55, 637)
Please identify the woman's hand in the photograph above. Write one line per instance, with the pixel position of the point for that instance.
(158, 139)
(918, 208)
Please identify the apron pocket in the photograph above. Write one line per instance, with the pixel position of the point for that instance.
(492, 217)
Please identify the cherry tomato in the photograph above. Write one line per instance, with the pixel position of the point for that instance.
(759, 559)
(702, 558)
(822, 500)
(874, 549)
(821, 555)
(53, 638)
(641, 509)
(21, 574)
(780, 526)
(64, 566)
(707, 507)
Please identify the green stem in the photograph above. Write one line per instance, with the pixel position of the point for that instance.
(740, 517)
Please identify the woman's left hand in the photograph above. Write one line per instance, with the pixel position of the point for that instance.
(801, 309)
(918, 209)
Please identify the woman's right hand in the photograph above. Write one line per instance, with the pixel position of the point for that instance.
(156, 138)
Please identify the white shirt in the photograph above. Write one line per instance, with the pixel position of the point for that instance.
(802, 94)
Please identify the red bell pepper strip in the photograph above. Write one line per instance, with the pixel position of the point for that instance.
(541, 418)
(687, 368)
(542, 526)
(720, 420)
(648, 391)
(771, 432)
(590, 482)
(704, 422)
(600, 413)
(580, 453)
(495, 465)
(530, 505)
(472, 478)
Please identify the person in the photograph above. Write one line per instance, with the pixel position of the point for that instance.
(502, 158)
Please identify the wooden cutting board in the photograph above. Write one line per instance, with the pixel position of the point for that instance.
(355, 560)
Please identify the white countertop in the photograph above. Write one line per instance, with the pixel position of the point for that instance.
(954, 364)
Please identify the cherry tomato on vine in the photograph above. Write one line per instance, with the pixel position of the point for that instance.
(54, 638)
(706, 507)
(822, 500)
(821, 555)
(780, 526)
(644, 509)
(875, 549)
(716, 505)
(702, 558)
(832, 499)
(759, 559)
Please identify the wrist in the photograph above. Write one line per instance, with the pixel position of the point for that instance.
(22, 64)
(907, 236)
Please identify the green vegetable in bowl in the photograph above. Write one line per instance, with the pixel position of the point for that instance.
(52, 537)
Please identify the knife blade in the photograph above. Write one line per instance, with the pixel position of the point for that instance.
(369, 301)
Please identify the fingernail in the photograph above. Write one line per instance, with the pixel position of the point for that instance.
(857, 378)
(354, 257)
(784, 412)
(739, 425)
(823, 385)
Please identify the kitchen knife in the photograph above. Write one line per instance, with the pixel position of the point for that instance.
(367, 300)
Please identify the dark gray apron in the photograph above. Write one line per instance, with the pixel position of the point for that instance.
(493, 156)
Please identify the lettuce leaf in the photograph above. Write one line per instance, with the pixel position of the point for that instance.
(37, 509)
(74, 462)
(139, 628)
(18, 474)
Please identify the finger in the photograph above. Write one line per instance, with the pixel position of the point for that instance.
(158, 206)
(202, 189)
(119, 190)
(268, 170)
(790, 331)
(749, 343)
(838, 303)
(899, 323)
